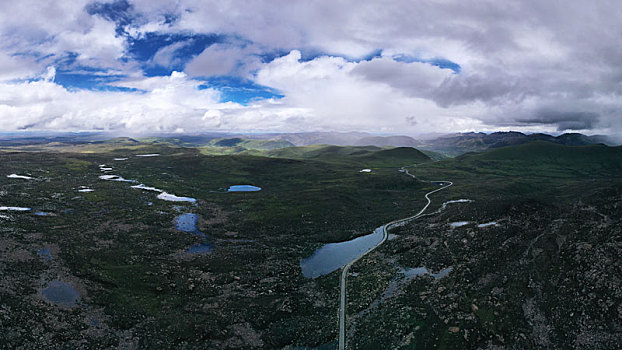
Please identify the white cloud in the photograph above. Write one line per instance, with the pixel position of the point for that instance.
(175, 103)
(224, 59)
(510, 53)
(15, 67)
(170, 104)
(50, 74)
(166, 56)
(338, 95)
(97, 46)
(417, 79)
(524, 64)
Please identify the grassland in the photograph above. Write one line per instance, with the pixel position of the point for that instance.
(119, 248)
(546, 277)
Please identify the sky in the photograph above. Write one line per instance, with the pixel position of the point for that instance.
(382, 66)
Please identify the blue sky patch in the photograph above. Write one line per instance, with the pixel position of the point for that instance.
(243, 91)
(143, 50)
(310, 55)
(74, 81)
(437, 62)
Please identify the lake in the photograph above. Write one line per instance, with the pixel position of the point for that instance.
(333, 256)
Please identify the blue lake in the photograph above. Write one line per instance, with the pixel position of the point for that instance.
(333, 256)
(61, 293)
(243, 188)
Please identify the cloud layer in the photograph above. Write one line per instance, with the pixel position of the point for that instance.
(383, 66)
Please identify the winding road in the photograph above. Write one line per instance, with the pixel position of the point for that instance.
(385, 231)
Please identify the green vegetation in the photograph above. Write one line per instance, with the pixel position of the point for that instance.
(367, 156)
(546, 276)
(543, 277)
(119, 248)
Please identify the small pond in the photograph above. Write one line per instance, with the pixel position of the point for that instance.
(45, 253)
(420, 271)
(243, 188)
(408, 274)
(61, 293)
(202, 248)
(188, 223)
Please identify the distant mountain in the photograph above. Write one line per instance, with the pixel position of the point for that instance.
(396, 141)
(448, 145)
(314, 138)
(250, 144)
(457, 144)
(227, 143)
(23, 139)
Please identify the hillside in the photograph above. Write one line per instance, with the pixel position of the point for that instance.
(365, 156)
(249, 144)
(549, 159)
(456, 144)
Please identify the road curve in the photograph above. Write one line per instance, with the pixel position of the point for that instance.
(385, 234)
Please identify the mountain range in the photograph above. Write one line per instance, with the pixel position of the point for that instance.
(449, 145)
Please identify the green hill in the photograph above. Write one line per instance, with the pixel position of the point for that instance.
(249, 144)
(366, 156)
(541, 158)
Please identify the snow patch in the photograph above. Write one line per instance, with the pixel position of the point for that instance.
(114, 178)
(147, 188)
(173, 198)
(14, 209)
(459, 223)
(15, 176)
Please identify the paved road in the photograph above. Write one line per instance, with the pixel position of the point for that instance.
(385, 230)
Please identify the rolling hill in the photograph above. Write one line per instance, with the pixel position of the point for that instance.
(367, 156)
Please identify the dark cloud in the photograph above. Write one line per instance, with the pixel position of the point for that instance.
(563, 120)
